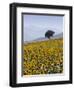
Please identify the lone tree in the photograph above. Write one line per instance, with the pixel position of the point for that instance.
(49, 34)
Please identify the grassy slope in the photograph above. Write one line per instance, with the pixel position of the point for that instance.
(44, 57)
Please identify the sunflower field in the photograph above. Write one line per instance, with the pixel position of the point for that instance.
(43, 57)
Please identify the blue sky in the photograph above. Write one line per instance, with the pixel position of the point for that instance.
(35, 26)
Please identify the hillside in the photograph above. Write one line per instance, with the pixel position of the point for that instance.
(43, 57)
(58, 36)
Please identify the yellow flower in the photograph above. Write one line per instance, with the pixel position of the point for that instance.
(43, 57)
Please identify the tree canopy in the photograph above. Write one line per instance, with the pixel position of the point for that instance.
(49, 34)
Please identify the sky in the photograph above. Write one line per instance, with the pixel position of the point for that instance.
(35, 26)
